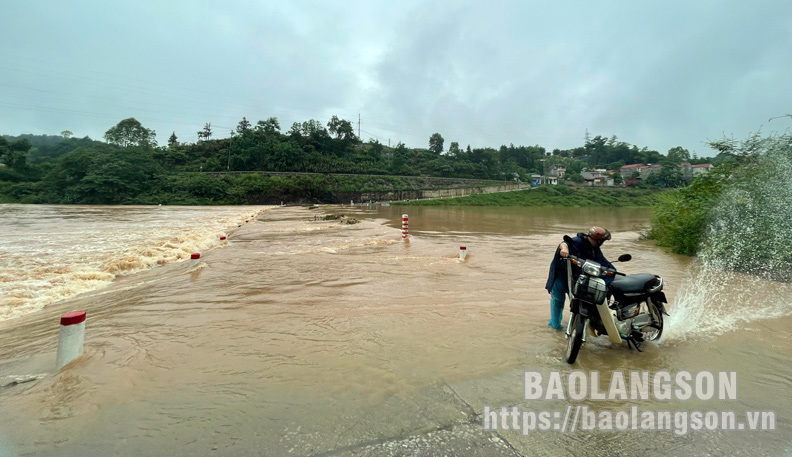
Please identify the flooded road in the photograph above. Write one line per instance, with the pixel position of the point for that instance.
(305, 336)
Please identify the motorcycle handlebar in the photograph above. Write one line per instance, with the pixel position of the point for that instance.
(578, 261)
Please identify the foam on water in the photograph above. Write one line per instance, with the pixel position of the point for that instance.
(53, 253)
(742, 273)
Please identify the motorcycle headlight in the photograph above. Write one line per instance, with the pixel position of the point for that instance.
(591, 268)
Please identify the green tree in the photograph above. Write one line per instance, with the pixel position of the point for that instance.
(269, 126)
(597, 149)
(310, 128)
(14, 154)
(243, 126)
(295, 131)
(375, 148)
(436, 143)
(101, 175)
(399, 161)
(173, 141)
(678, 155)
(669, 175)
(206, 133)
(454, 150)
(284, 156)
(130, 132)
(341, 128)
(66, 134)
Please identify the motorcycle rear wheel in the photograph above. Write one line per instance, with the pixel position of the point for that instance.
(657, 318)
(575, 338)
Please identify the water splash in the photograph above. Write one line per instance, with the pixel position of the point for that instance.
(751, 225)
(744, 269)
(712, 301)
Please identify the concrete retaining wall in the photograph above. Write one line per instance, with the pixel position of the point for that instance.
(434, 193)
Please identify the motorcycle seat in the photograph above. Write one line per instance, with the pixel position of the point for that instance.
(636, 283)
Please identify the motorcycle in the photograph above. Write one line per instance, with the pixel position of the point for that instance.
(630, 308)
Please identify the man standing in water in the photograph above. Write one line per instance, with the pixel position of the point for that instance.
(586, 246)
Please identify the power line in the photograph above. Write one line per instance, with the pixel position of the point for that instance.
(170, 102)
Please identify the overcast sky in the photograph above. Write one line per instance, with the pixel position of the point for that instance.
(654, 73)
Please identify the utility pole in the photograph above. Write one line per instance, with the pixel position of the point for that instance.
(588, 137)
(228, 166)
(358, 125)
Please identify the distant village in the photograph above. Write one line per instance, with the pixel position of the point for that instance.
(630, 174)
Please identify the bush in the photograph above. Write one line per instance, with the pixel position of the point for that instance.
(682, 215)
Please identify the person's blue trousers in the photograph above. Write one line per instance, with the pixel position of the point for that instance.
(557, 299)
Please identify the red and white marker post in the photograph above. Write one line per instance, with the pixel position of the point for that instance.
(194, 259)
(462, 252)
(405, 224)
(71, 337)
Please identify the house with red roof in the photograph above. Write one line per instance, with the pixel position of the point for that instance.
(701, 169)
(627, 171)
(634, 173)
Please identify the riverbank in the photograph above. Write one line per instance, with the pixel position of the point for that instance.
(251, 188)
(560, 195)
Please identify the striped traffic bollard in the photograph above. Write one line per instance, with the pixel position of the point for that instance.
(405, 224)
(462, 252)
(71, 337)
(194, 259)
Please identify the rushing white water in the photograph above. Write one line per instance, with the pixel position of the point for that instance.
(50, 253)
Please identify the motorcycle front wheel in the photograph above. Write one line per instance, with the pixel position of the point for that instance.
(575, 341)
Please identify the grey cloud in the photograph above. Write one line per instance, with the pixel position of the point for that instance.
(656, 74)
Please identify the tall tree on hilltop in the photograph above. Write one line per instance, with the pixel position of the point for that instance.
(130, 132)
(678, 155)
(271, 125)
(243, 126)
(454, 150)
(206, 133)
(436, 143)
(341, 128)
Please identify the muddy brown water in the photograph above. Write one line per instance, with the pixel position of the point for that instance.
(303, 336)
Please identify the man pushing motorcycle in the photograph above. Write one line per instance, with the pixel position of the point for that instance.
(585, 246)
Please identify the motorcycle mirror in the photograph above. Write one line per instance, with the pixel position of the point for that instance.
(625, 258)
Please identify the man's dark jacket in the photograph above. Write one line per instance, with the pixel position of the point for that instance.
(580, 247)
